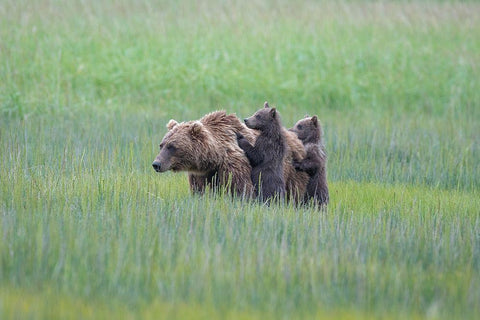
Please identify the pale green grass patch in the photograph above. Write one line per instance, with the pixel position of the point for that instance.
(391, 249)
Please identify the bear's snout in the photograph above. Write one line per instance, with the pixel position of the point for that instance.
(157, 166)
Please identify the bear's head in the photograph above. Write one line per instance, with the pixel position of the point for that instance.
(263, 119)
(308, 130)
(182, 147)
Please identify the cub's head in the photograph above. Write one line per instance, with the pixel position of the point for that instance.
(264, 118)
(308, 130)
(181, 147)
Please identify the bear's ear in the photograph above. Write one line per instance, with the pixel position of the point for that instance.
(196, 129)
(172, 123)
(315, 121)
(265, 105)
(273, 112)
(306, 116)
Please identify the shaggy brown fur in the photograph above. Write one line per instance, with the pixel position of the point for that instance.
(208, 150)
(295, 181)
(267, 155)
(314, 164)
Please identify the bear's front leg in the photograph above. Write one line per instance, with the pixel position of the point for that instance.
(243, 142)
(307, 165)
(197, 183)
(254, 157)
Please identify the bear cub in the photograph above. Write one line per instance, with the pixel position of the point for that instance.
(309, 131)
(266, 156)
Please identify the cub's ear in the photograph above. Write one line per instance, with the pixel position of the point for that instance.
(306, 115)
(273, 112)
(196, 129)
(172, 123)
(315, 121)
(265, 105)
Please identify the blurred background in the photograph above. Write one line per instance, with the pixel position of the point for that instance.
(395, 84)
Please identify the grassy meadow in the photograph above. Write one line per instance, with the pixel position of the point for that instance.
(89, 231)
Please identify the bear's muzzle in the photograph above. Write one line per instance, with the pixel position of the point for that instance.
(157, 166)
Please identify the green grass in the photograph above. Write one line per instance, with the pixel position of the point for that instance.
(88, 230)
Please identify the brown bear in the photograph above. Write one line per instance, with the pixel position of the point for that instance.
(267, 155)
(208, 150)
(309, 131)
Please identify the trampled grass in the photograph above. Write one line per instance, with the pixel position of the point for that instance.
(89, 231)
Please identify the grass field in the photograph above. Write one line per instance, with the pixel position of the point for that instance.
(88, 230)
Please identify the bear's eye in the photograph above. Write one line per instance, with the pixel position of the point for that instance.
(299, 127)
(161, 145)
(171, 147)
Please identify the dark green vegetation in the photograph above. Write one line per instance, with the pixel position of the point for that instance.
(87, 229)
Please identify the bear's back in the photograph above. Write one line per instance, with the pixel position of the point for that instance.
(224, 126)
